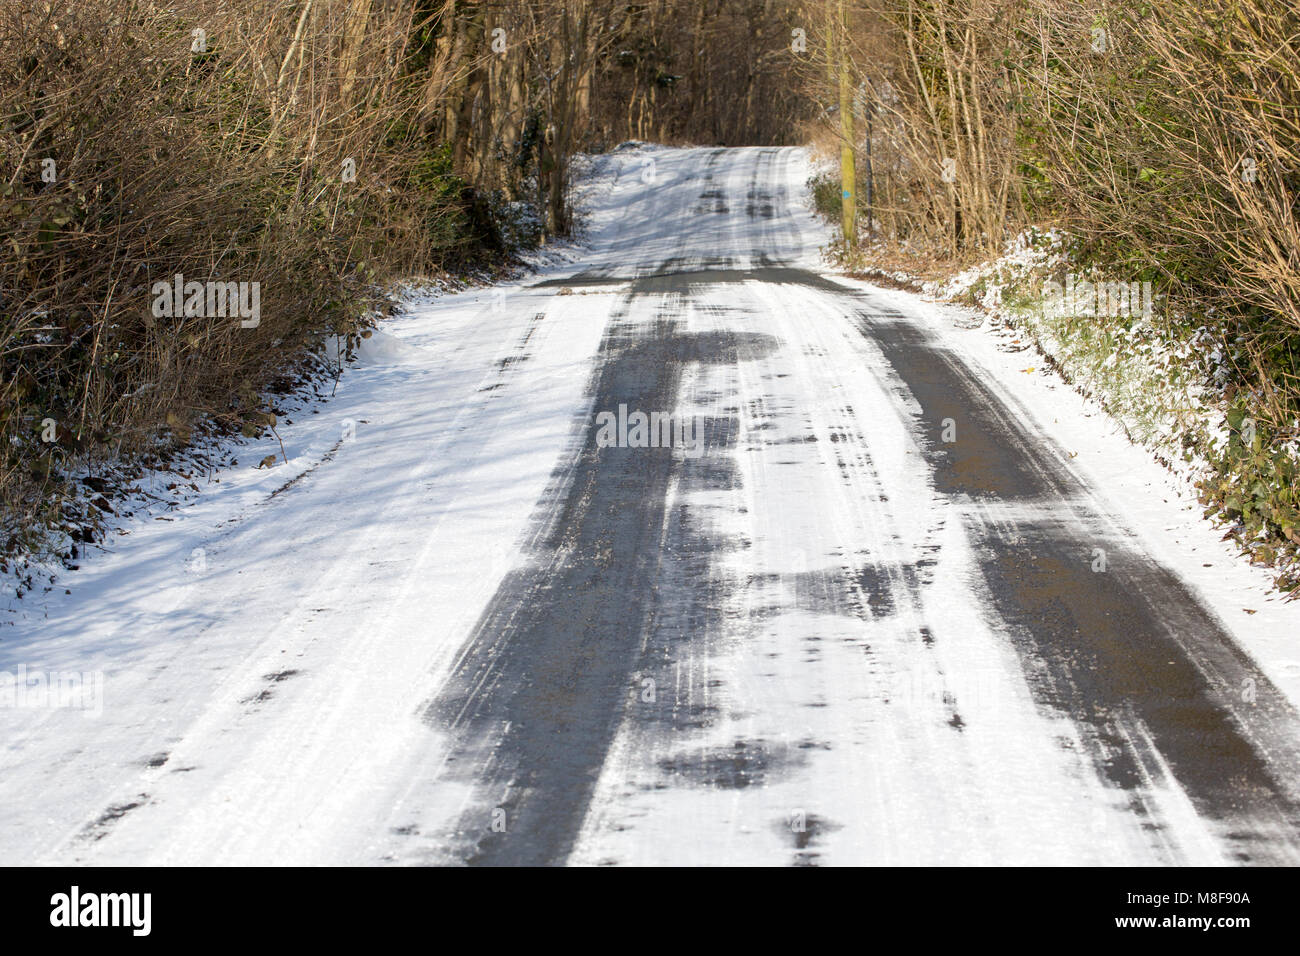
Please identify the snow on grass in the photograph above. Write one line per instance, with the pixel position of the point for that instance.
(1160, 376)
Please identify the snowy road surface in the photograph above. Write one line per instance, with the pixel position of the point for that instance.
(868, 608)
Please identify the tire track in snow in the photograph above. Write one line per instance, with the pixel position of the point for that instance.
(535, 697)
(1127, 652)
(543, 697)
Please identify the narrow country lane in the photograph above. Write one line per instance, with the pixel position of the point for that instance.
(864, 610)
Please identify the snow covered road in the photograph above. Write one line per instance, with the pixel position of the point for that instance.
(866, 608)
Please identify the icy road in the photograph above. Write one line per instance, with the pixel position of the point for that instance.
(884, 599)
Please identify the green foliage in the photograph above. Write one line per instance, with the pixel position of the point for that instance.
(825, 189)
(1253, 487)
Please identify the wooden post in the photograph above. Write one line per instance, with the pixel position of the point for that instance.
(848, 175)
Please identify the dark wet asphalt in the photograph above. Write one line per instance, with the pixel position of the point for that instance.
(613, 577)
(1117, 650)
